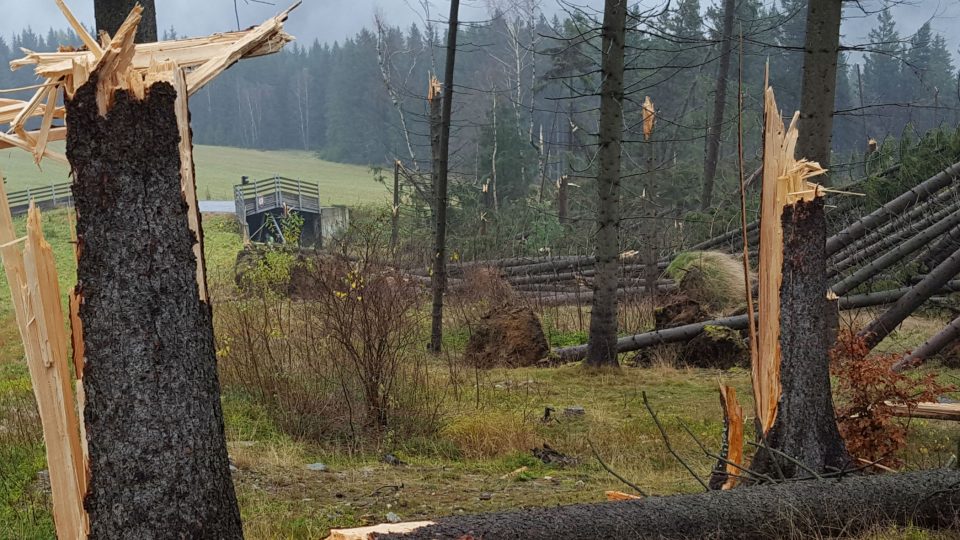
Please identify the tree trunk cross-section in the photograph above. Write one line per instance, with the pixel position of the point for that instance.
(804, 509)
(158, 458)
(805, 427)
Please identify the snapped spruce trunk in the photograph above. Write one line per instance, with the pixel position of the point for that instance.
(154, 425)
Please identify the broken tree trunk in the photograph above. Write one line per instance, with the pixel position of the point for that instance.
(815, 508)
(804, 426)
(158, 456)
(881, 327)
(893, 208)
(791, 369)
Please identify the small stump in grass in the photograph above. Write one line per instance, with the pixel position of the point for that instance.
(507, 336)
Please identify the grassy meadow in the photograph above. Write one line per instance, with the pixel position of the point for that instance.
(477, 459)
(220, 168)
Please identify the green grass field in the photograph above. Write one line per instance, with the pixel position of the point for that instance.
(220, 168)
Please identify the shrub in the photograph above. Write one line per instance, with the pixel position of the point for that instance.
(343, 359)
(865, 384)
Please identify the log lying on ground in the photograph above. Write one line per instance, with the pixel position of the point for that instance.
(930, 348)
(937, 252)
(804, 509)
(736, 322)
(558, 299)
(881, 327)
(153, 419)
(893, 208)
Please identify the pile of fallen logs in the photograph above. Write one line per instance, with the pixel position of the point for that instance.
(918, 229)
(551, 281)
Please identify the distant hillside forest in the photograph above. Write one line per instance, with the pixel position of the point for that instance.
(520, 74)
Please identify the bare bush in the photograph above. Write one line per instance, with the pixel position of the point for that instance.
(345, 357)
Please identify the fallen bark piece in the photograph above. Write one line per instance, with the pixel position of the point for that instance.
(932, 411)
(728, 470)
(620, 496)
(824, 507)
(368, 533)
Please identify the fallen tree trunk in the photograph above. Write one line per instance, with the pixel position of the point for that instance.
(881, 327)
(899, 254)
(906, 231)
(931, 347)
(153, 420)
(938, 252)
(559, 299)
(803, 509)
(893, 208)
(737, 322)
(625, 271)
(945, 198)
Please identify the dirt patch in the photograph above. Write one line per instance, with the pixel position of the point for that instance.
(507, 336)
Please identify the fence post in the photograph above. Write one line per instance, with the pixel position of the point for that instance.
(299, 195)
(276, 191)
(53, 188)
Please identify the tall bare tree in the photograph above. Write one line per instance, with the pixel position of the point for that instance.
(719, 104)
(819, 86)
(603, 318)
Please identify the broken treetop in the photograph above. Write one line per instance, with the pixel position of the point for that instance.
(201, 59)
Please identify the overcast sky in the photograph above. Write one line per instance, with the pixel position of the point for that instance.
(330, 20)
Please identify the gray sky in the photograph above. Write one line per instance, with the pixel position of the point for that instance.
(331, 20)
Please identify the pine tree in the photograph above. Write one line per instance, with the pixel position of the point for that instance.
(882, 75)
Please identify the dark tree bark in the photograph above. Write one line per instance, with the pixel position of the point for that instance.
(110, 14)
(805, 427)
(893, 208)
(819, 83)
(158, 456)
(719, 104)
(441, 161)
(807, 509)
(603, 316)
(881, 327)
(938, 252)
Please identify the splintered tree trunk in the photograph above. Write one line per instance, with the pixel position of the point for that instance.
(110, 14)
(805, 427)
(819, 84)
(603, 317)
(441, 159)
(809, 509)
(719, 104)
(157, 451)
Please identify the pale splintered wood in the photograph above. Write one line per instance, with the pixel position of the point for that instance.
(35, 294)
(80, 30)
(932, 411)
(188, 184)
(784, 182)
(16, 142)
(733, 415)
(366, 533)
(122, 64)
(114, 68)
(199, 77)
(620, 496)
(43, 135)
